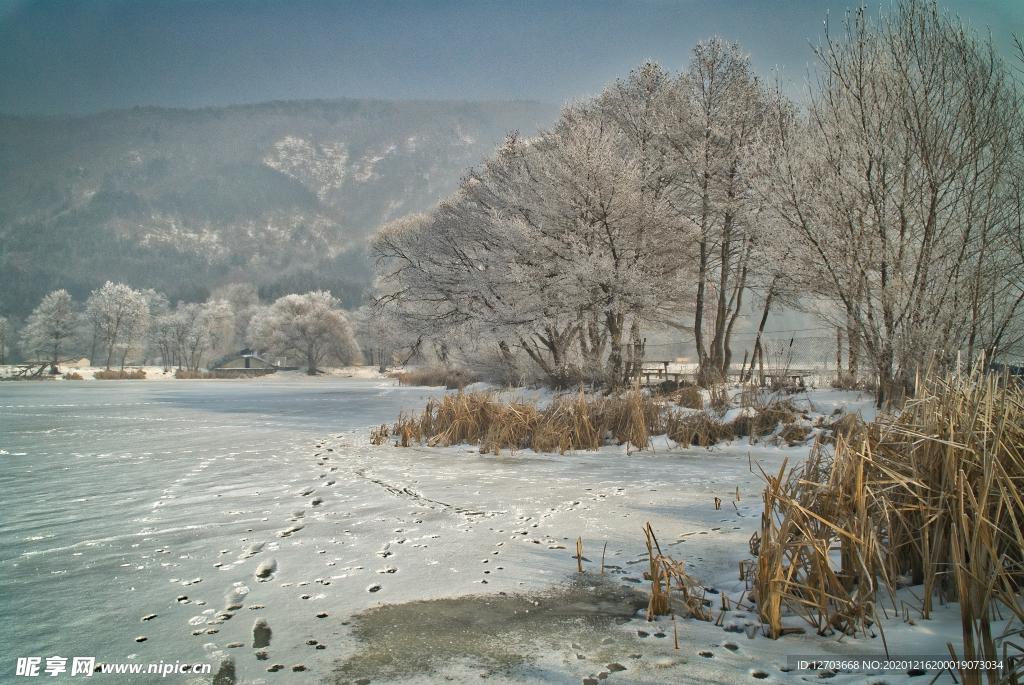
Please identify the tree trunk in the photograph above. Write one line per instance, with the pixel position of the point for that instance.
(614, 322)
(852, 349)
(735, 309)
(758, 352)
(698, 316)
(311, 362)
(839, 356)
(721, 309)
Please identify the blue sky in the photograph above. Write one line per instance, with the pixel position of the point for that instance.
(79, 56)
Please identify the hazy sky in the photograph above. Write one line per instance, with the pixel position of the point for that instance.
(77, 56)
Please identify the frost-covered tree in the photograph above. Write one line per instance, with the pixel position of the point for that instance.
(219, 318)
(193, 334)
(158, 305)
(187, 335)
(51, 327)
(119, 317)
(559, 246)
(903, 181)
(310, 326)
(165, 335)
(713, 118)
(243, 299)
(636, 210)
(383, 337)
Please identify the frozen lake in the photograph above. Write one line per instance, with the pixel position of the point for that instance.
(98, 476)
(213, 504)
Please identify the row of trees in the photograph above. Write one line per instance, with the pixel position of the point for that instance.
(116, 318)
(892, 205)
(119, 323)
(903, 182)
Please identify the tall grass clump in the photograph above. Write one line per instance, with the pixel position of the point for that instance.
(573, 421)
(448, 376)
(116, 375)
(690, 397)
(691, 599)
(576, 421)
(930, 497)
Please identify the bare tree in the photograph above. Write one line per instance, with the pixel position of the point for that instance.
(243, 299)
(220, 321)
(900, 180)
(193, 334)
(714, 121)
(383, 336)
(311, 326)
(557, 246)
(165, 335)
(50, 327)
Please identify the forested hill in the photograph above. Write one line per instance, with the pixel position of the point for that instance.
(279, 194)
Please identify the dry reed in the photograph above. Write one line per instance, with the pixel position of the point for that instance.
(73, 376)
(576, 421)
(447, 376)
(691, 596)
(116, 375)
(718, 397)
(929, 496)
(690, 397)
(188, 374)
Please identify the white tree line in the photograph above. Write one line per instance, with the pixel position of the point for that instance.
(892, 205)
(119, 324)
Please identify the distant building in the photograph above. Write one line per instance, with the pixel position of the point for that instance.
(244, 362)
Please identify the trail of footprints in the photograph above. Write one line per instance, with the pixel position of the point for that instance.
(208, 622)
(658, 659)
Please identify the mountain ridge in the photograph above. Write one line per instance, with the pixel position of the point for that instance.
(281, 194)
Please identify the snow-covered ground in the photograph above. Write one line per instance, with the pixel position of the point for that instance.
(184, 513)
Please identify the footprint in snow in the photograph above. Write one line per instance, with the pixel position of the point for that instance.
(261, 633)
(265, 571)
(252, 550)
(235, 595)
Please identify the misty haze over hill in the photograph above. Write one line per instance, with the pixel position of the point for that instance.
(280, 194)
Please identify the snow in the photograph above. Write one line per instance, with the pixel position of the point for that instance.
(121, 497)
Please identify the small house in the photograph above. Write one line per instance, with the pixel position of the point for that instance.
(244, 362)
